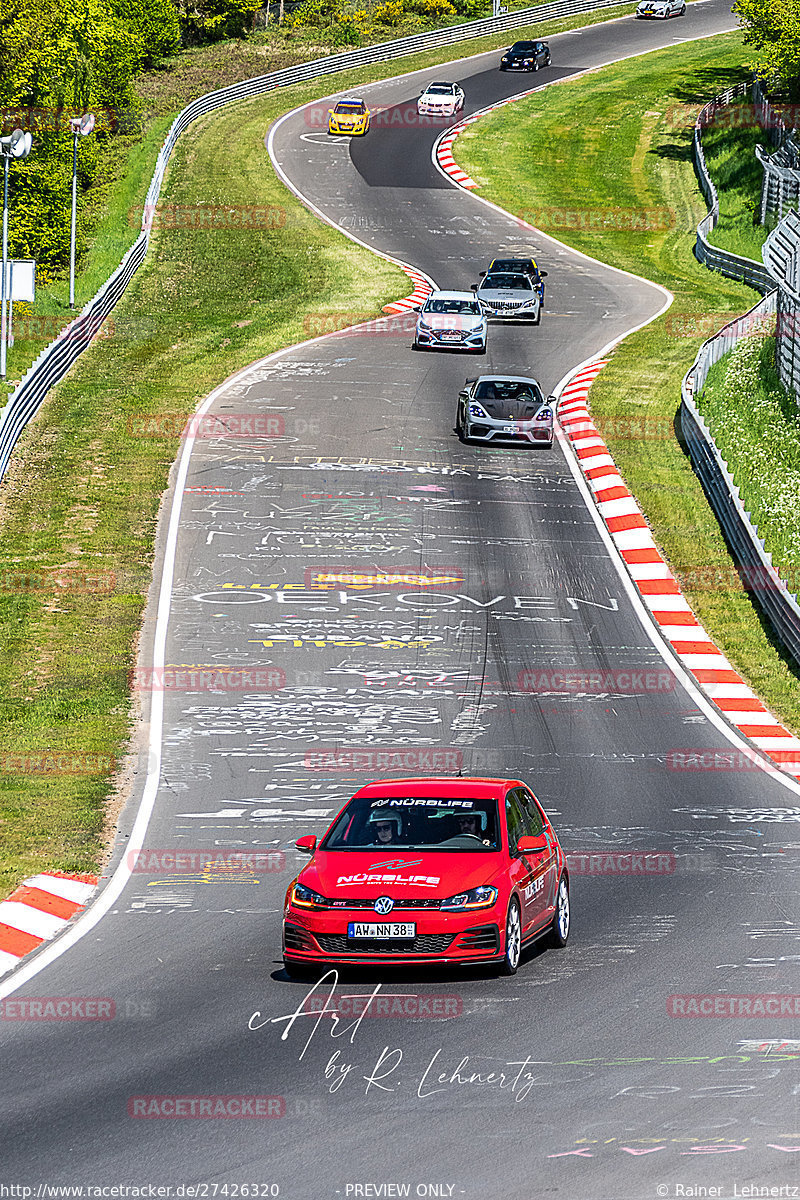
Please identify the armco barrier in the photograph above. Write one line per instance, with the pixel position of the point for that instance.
(55, 360)
(747, 547)
(735, 266)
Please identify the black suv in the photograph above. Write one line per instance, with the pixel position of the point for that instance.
(526, 56)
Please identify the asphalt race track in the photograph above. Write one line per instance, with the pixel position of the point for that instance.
(604, 1093)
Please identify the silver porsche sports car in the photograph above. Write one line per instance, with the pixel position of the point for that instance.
(501, 408)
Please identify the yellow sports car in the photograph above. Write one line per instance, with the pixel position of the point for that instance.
(349, 116)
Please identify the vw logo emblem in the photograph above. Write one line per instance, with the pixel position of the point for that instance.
(384, 905)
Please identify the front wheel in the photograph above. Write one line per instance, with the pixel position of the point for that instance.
(300, 971)
(513, 939)
(559, 931)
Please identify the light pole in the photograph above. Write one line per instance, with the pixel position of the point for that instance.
(81, 126)
(16, 145)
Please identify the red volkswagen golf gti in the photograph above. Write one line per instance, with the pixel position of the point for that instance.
(429, 870)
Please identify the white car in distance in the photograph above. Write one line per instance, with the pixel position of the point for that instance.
(441, 100)
(451, 321)
(661, 9)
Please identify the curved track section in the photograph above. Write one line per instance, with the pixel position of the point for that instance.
(577, 1077)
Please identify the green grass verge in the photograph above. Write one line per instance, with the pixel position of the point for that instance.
(729, 146)
(609, 144)
(756, 426)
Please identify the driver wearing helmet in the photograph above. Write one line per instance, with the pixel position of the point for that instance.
(474, 824)
(385, 827)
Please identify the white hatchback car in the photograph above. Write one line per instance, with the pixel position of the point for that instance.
(451, 321)
(441, 100)
(661, 8)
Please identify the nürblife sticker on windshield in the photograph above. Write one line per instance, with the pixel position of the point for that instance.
(420, 803)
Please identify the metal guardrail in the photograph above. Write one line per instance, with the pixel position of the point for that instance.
(782, 254)
(735, 266)
(754, 562)
(56, 359)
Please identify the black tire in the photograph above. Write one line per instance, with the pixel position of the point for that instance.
(503, 68)
(462, 437)
(538, 320)
(513, 942)
(480, 350)
(559, 930)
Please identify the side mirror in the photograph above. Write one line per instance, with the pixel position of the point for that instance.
(307, 844)
(415, 308)
(552, 401)
(532, 845)
(330, 112)
(543, 274)
(473, 287)
(463, 394)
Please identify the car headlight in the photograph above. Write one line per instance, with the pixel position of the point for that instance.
(475, 410)
(303, 897)
(544, 414)
(479, 897)
(423, 326)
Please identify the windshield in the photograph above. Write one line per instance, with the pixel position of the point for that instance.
(470, 307)
(519, 283)
(415, 823)
(440, 89)
(523, 47)
(508, 389)
(516, 266)
(345, 109)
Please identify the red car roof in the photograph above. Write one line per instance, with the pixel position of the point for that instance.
(442, 785)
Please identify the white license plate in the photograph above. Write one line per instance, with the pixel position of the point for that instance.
(510, 429)
(451, 337)
(387, 931)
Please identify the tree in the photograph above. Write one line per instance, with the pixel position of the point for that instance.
(772, 29)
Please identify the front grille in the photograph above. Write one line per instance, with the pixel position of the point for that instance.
(482, 937)
(339, 943)
(352, 902)
(295, 938)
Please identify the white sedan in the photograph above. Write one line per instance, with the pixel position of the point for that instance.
(661, 9)
(441, 100)
(451, 320)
